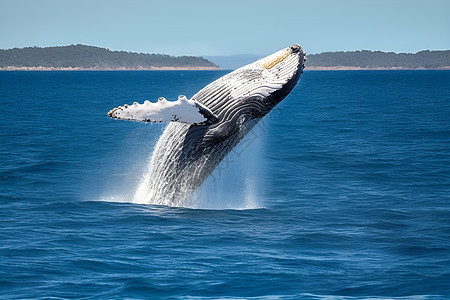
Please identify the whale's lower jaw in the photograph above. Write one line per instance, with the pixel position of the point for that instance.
(175, 174)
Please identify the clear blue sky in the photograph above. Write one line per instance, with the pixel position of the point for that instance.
(227, 27)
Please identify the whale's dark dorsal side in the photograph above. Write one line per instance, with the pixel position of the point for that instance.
(205, 128)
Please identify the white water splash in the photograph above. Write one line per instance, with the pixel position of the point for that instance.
(143, 194)
(232, 185)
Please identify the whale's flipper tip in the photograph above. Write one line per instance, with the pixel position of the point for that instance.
(182, 110)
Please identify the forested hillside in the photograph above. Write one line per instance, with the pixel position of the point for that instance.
(96, 58)
(377, 59)
(90, 57)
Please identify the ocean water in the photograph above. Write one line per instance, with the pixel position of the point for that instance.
(341, 192)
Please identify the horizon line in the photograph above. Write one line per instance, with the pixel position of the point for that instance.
(215, 55)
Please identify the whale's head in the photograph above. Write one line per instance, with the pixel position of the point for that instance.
(256, 88)
(278, 72)
(247, 94)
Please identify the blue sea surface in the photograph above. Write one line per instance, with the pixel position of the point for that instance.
(341, 192)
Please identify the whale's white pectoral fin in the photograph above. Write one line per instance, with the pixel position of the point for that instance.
(182, 110)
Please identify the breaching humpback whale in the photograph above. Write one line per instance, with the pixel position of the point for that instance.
(205, 128)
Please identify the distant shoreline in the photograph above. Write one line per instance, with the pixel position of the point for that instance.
(311, 68)
(90, 58)
(349, 68)
(12, 68)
